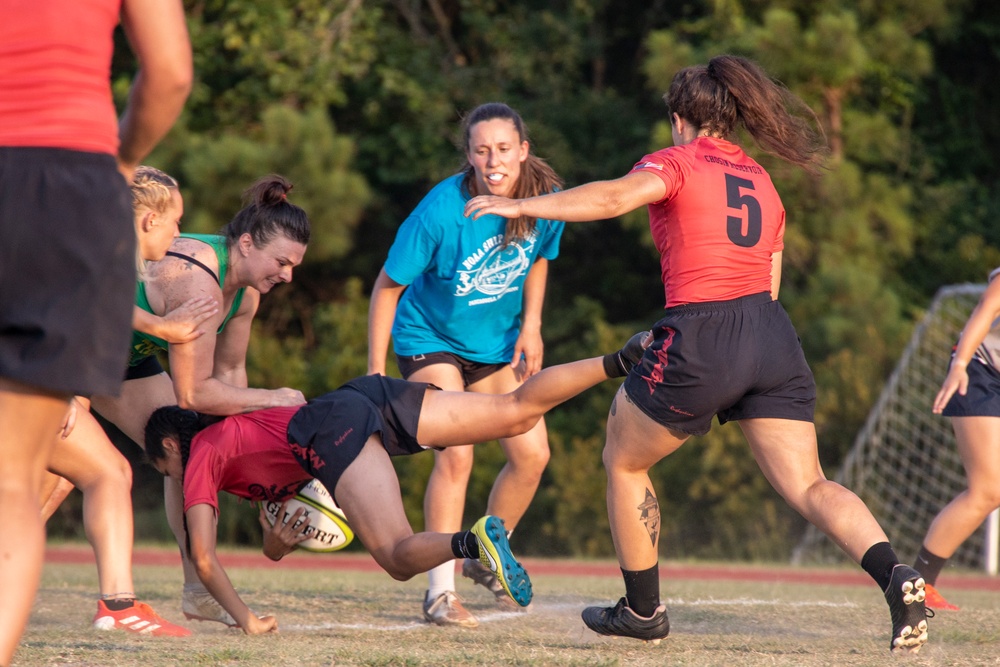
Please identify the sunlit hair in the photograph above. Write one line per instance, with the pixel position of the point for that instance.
(266, 213)
(152, 190)
(731, 91)
(537, 177)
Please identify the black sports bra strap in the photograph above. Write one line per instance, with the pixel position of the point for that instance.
(197, 263)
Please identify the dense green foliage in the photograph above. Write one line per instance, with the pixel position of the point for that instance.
(359, 104)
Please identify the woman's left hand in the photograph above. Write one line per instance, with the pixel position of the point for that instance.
(282, 538)
(530, 346)
(260, 626)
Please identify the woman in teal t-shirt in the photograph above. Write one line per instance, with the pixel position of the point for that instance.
(462, 301)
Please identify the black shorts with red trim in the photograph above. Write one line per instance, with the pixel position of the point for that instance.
(982, 397)
(67, 270)
(738, 359)
(329, 432)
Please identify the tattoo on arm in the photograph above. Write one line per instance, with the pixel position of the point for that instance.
(650, 515)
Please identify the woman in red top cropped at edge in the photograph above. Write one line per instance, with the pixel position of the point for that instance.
(718, 225)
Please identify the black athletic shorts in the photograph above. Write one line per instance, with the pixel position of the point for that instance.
(472, 371)
(982, 398)
(738, 359)
(331, 430)
(146, 368)
(67, 270)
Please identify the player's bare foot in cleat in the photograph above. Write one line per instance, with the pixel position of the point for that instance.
(199, 605)
(473, 569)
(621, 621)
(494, 553)
(905, 596)
(138, 618)
(447, 609)
(934, 600)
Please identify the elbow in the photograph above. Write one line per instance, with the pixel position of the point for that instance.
(186, 401)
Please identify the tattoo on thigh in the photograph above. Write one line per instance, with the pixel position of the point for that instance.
(614, 405)
(650, 515)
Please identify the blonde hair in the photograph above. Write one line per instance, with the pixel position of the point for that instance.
(152, 189)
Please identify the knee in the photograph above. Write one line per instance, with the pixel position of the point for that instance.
(531, 460)
(396, 567)
(454, 463)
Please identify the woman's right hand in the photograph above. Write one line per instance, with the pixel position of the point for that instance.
(181, 324)
(287, 397)
(260, 626)
(957, 380)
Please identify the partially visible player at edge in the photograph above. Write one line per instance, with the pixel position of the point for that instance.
(67, 266)
(718, 224)
(970, 395)
(344, 439)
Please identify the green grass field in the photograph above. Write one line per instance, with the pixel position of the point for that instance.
(331, 617)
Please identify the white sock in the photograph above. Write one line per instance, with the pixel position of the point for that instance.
(440, 579)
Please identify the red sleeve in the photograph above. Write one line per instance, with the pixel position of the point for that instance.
(203, 474)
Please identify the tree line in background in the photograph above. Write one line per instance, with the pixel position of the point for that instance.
(359, 104)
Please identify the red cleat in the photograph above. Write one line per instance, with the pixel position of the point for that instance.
(935, 600)
(139, 618)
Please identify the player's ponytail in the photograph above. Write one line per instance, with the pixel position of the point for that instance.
(266, 213)
(731, 91)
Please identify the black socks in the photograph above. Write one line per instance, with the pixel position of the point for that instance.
(465, 545)
(642, 590)
(929, 565)
(878, 562)
(118, 605)
(619, 364)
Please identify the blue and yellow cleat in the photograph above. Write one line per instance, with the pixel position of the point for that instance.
(494, 553)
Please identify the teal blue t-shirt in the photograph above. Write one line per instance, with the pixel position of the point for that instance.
(464, 292)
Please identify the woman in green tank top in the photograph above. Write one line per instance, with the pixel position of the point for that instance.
(197, 303)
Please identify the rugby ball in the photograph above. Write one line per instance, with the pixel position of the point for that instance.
(328, 529)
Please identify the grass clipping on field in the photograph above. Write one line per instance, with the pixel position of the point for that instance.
(342, 618)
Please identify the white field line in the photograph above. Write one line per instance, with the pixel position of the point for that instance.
(571, 607)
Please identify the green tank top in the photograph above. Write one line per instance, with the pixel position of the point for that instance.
(145, 345)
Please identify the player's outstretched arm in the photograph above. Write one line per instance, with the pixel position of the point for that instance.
(202, 527)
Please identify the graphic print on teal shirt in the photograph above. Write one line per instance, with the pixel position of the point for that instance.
(464, 290)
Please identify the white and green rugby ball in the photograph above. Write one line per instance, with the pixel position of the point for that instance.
(328, 529)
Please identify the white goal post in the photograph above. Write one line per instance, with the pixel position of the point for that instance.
(904, 463)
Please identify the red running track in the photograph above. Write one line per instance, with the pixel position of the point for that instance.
(82, 554)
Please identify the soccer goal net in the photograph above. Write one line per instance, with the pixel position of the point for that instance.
(904, 463)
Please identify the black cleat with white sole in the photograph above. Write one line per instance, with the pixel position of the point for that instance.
(621, 621)
(905, 596)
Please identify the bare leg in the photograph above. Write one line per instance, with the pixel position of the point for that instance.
(786, 452)
(29, 423)
(979, 446)
(89, 460)
(635, 443)
(55, 489)
(130, 411)
(368, 493)
(457, 418)
(527, 455)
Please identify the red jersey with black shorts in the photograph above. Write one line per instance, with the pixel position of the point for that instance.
(67, 255)
(724, 347)
(268, 455)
